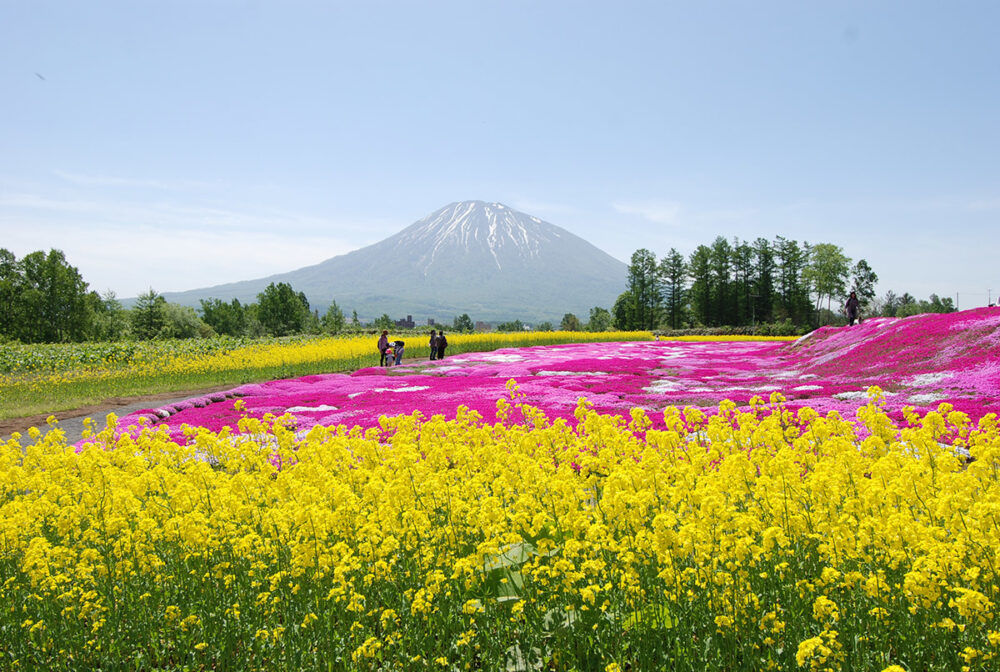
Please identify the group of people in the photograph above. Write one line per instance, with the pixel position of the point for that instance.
(438, 344)
(391, 352)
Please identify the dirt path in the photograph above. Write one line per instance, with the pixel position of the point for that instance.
(71, 422)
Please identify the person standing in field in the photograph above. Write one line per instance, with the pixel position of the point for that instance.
(852, 308)
(383, 346)
(442, 343)
(433, 344)
(397, 347)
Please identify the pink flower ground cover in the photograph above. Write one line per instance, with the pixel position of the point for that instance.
(918, 361)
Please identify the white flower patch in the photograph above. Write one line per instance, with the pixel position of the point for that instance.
(925, 398)
(499, 358)
(439, 369)
(411, 388)
(782, 375)
(308, 409)
(808, 376)
(847, 396)
(925, 379)
(765, 388)
(662, 386)
(571, 373)
(806, 388)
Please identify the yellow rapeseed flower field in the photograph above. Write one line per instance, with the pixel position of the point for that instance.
(753, 540)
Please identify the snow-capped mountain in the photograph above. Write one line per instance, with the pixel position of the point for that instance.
(484, 259)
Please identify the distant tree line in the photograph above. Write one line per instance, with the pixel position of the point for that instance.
(739, 283)
(44, 299)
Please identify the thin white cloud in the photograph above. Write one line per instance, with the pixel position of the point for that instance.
(543, 208)
(985, 205)
(132, 182)
(660, 212)
(169, 217)
(130, 259)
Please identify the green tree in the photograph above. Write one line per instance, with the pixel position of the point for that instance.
(111, 321)
(227, 319)
(638, 306)
(183, 322)
(11, 281)
(762, 308)
(384, 322)
(863, 281)
(743, 290)
(570, 322)
(333, 320)
(281, 310)
(149, 315)
(463, 324)
(544, 326)
(600, 319)
(516, 325)
(826, 272)
(700, 293)
(673, 271)
(792, 293)
(621, 313)
(53, 297)
(723, 296)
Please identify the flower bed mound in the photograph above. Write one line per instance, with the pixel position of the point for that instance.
(950, 351)
(918, 361)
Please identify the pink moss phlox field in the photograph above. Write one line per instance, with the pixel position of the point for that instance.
(918, 361)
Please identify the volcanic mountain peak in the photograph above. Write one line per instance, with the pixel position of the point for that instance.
(477, 226)
(485, 259)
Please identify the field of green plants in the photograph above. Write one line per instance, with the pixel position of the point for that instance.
(47, 378)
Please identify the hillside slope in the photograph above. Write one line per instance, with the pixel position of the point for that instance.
(484, 259)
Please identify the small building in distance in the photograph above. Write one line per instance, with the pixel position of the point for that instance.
(405, 324)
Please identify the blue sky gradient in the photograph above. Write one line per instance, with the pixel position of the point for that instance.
(183, 144)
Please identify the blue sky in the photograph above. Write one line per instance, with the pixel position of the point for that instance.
(183, 144)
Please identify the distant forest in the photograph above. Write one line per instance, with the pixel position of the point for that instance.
(778, 286)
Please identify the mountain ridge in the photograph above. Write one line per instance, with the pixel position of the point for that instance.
(476, 257)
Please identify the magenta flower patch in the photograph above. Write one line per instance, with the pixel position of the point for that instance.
(918, 361)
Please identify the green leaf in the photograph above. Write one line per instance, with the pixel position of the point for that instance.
(652, 617)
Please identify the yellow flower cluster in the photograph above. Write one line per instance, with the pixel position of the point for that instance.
(738, 540)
